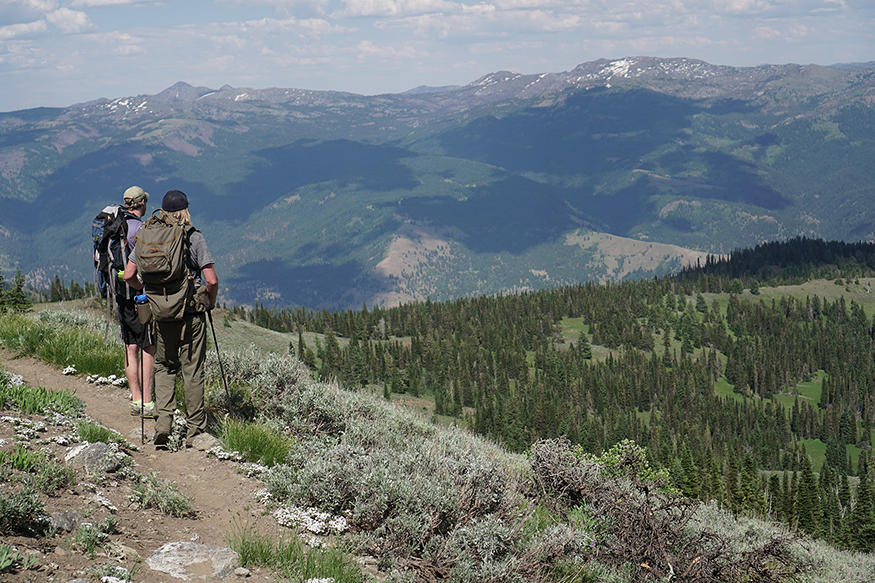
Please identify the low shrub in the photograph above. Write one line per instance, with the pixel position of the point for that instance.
(89, 535)
(52, 476)
(22, 513)
(644, 524)
(151, 492)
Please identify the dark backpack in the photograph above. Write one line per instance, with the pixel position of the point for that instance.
(108, 233)
(164, 263)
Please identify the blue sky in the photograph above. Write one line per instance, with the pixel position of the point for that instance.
(61, 52)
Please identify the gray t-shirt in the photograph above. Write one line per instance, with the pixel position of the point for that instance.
(200, 255)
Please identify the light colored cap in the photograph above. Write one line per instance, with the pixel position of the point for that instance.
(135, 194)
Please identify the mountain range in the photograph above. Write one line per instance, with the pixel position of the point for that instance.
(616, 169)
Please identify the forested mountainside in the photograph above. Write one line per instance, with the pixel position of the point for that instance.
(759, 397)
(614, 170)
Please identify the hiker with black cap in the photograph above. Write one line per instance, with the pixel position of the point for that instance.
(172, 260)
(135, 334)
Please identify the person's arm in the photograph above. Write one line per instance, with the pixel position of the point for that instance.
(211, 280)
(131, 276)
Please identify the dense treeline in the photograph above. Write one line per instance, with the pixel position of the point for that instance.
(500, 364)
(783, 262)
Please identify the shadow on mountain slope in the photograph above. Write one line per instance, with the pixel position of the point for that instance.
(512, 214)
(286, 168)
(306, 285)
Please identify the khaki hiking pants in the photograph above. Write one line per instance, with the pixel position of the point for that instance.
(181, 345)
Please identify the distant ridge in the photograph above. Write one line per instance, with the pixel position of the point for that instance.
(617, 169)
(422, 89)
(854, 66)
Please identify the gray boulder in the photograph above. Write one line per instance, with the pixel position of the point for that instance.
(204, 441)
(96, 458)
(187, 561)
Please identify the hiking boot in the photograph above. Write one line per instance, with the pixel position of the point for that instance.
(161, 438)
(149, 411)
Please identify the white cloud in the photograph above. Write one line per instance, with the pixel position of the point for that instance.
(301, 8)
(99, 3)
(368, 50)
(766, 32)
(278, 27)
(24, 11)
(121, 44)
(19, 31)
(396, 7)
(70, 21)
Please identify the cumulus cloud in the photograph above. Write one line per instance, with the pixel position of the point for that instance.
(24, 11)
(20, 31)
(70, 21)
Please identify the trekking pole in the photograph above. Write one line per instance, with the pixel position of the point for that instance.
(142, 401)
(219, 358)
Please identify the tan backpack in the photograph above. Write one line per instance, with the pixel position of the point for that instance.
(163, 252)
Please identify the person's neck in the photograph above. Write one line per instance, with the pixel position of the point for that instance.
(138, 212)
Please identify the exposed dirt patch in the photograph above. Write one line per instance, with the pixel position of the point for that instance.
(222, 497)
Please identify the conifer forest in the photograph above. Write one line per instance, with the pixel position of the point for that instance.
(765, 406)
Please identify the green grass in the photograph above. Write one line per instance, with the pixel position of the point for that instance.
(287, 557)
(256, 442)
(808, 391)
(52, 339)
(816, 450)
(727, 391)
(93, 432)
(38, 400)
(22, 459)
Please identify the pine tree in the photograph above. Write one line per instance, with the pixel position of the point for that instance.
(808, 508)
(862, 524)
(747, 489)
(16, 298)
(689, 473)
(584, 348)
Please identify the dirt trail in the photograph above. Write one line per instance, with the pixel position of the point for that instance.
(222, 497)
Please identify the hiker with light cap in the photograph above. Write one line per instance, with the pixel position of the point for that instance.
(136, 336)
(172, 263)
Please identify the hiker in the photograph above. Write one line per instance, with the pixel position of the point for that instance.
(181, 329)
(136, 335)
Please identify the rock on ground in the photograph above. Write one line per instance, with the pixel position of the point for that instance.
(185, 560)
